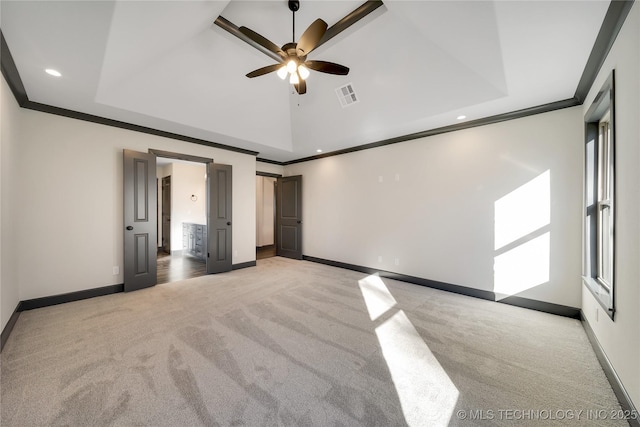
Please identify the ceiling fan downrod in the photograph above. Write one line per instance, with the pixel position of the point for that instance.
(294, 5)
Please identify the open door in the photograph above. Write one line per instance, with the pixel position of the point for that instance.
(289, 217)
(219, 252)
(140, 220)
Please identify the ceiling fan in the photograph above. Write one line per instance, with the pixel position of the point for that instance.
(293, 56)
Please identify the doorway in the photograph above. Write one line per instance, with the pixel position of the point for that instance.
(183, 216)
(265, 216)
(210, 238)
(278, 216)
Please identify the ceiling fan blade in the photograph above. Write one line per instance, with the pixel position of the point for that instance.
(365, 9)
(264, 70)
(327, 67)
(311, 37)
(262, 41)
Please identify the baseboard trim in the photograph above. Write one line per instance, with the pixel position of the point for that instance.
(545, 307)
(9, 326)
(32, 304)
(618, 388)
(243, 265)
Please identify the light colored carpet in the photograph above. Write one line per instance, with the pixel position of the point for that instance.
(298, 343)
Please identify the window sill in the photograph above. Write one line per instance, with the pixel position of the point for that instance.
(601, 294)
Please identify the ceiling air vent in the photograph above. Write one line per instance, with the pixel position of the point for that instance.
(347, 95)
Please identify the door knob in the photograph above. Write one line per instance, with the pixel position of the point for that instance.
(299, 222)
(229, 223)
(129, 228)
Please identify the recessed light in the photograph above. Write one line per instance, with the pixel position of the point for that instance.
(318, 151)
(52, 72)
(461, 117)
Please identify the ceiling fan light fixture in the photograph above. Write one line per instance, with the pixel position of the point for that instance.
(294, 79)
(282, 72)
(292, 66)
(303, 71)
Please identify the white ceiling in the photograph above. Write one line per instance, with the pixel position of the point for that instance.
(415, 65)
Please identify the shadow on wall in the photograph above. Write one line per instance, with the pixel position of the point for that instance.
(522, 237)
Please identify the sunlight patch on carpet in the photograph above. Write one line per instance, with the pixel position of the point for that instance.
(426, 393)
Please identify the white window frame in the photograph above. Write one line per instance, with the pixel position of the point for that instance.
(605, 204)
(599, 178)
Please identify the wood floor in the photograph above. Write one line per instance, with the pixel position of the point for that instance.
(263, 252)
(178, 267)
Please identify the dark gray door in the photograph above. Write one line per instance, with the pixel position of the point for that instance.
(289, 217)
(219, 249)
(166, 214)
(140, 220)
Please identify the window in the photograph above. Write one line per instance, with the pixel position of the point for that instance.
(599, 233)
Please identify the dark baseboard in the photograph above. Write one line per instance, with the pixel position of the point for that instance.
(243, 265)
(621, 393)
(477, 293)
(546, 307)
(31, 304)
(265, 247)
(9, 326)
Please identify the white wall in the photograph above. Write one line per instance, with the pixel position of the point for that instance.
(187, 179)
(425, 208)
(9, 140)
(68, 175)
(620, 339)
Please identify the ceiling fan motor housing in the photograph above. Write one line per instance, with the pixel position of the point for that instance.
(290, 50)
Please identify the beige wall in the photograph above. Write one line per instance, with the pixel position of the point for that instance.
(9, 232)
(426, 207)
(269, 168)
(620, 339)
(68, 175)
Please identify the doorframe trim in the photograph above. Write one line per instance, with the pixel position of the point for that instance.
(179, 156)
(268, 174)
